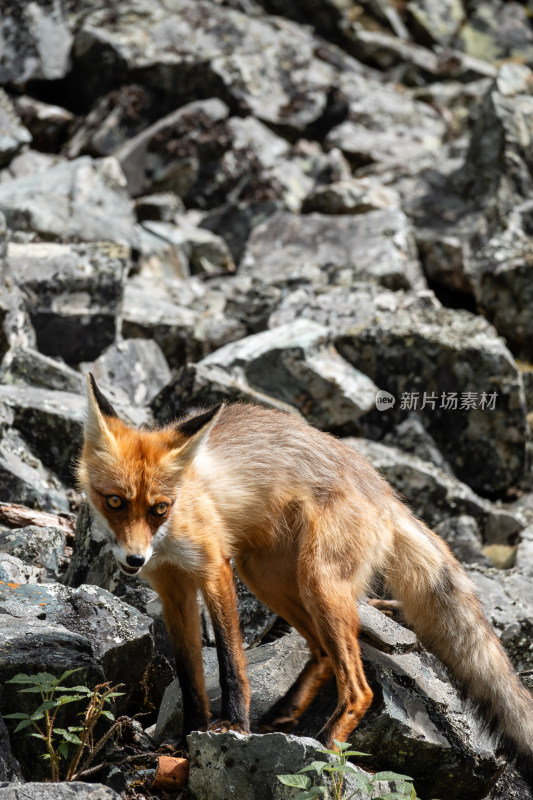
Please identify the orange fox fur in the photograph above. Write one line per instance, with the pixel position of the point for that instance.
(309, 522)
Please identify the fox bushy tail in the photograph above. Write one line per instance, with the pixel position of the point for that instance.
(439, 601)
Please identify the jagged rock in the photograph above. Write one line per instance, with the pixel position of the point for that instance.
(23, 477)
(73, 295)
(338, 250)
(263, 66)
(232, 765)
(384, 125)
(197, 251)
(161, 206)
(296, 364)
(137, 366)
(411, 437)
(13, 134)
(436, 22)
(31, 646)
(28, 162)
(506, 598)
(434, 495)
(356, 196)
(119, 635)
(35, 42)
(40, 547)
(47, 124)
(9, 766)
(496, 30)
(81, 200)
(448, 365)
(206, 385)
(13, 572)
(73, 790)
(28, 366)
(51, 421)
(464, 539)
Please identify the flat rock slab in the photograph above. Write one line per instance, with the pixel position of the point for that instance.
(289, 249)
(74, 790)
(82, 200)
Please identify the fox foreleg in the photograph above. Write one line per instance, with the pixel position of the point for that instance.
(221, 600)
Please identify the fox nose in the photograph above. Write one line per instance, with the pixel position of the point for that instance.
(135, 560)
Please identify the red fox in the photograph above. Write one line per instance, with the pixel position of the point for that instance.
(309, 523)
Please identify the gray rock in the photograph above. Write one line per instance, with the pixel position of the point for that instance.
(28, 366)
(13, 134)
(296, 364)
(9, 766)
(232, 765)
(265, 67)
(335, 250)
(177, 152)
(434, 495)
(161, 206)
(73, 295)
(497, 31)
(73, 790)
(119, 635)
(23, 476)
(437, 22)
(464, 539)
(524, 552)
(380, 123)
(47, 124)
(35, 42)
(411, 437)
(413, 348)
(356, 196)
(40, 547)
(206, 385)
(506, 599)
(14, 571)
(27, 163)
(30, 646)
(81, 200)
(137, 366)
(199, 251)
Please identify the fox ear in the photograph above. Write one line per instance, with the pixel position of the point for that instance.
(198, 429)
(99, 409)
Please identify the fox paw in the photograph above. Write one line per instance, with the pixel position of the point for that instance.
(271, 723)
(224, 725)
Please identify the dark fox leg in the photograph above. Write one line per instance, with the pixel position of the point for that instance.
(221, 600)
(177, 592)
(273, 581)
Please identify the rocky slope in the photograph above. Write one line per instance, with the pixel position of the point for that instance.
(324, 207)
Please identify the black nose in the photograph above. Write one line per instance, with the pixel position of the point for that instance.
(135, 561)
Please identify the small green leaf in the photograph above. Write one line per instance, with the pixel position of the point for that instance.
(63, 749)
(86, 691)
(24, 724)
(47, 705)
(18, 715)
(391, 776)
(341, 745)
(108, 714)
(21, 678)
(69, 672)
(318, 766)
(32, 690)
(114, 694)
(349, 753)
(38, 735)
(298, 781)
(313, 792)
(72, 738)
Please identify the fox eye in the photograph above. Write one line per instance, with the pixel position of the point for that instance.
(160, 509)
(114, 501)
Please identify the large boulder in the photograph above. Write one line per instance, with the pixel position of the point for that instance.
(447, 364)
(73, 790)
(82, 200)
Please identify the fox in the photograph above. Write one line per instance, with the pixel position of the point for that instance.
(309, 524)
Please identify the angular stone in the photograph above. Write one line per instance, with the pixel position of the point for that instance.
(436, 23)
(47, 124)
(28, 366)
(411, 437)
(265, 67)
(13, 134)
(356, 196)
(434, 495)
(296, 364)
(73, 790)
(81, 200)
(335, 250)
(137, 366)
(73, 294)
(200, 250)
(40, 547)
(464, 539)
(35, 42)
(497, 31)
(413, 348)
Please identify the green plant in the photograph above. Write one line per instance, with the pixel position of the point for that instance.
(58, 741)
(336, 771)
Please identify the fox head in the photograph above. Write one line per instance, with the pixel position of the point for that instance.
(131, 477)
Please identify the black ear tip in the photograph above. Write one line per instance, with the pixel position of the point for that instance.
(191, 426)
(102, 402)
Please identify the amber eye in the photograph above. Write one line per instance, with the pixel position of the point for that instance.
(114, 501)
(160, 509)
